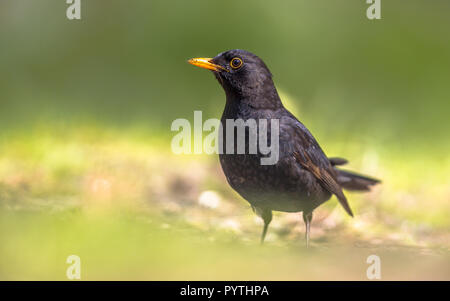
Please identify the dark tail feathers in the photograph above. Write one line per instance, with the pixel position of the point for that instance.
(350, 180)
(353, 181)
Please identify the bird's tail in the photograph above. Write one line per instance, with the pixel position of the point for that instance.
(353, 181)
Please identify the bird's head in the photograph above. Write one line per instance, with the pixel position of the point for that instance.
(242, 74)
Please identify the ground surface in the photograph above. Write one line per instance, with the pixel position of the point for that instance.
(132, 210)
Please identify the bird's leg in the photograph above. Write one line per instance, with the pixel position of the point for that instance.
(266, 215)
(264, 232)
(307, 218)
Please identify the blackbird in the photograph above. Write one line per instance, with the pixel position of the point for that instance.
(303, 177)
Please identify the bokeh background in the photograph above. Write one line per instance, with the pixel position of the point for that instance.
(86, 166)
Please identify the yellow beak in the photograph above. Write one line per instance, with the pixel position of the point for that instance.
(206, 63)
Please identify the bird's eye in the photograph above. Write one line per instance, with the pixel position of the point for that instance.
(236, 63)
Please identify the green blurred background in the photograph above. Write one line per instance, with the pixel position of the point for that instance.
(85, 160)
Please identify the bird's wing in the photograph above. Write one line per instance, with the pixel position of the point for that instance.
(310, 156)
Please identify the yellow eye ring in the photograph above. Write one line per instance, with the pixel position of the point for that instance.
(236, 63)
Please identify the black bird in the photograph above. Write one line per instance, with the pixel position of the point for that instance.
(303, 177)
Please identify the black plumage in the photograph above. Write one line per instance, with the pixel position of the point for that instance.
(303, 177)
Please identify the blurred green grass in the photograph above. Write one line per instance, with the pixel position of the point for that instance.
(118, 246)
(85, 160)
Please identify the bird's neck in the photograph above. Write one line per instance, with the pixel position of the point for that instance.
(245, 108)
(260, 97)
